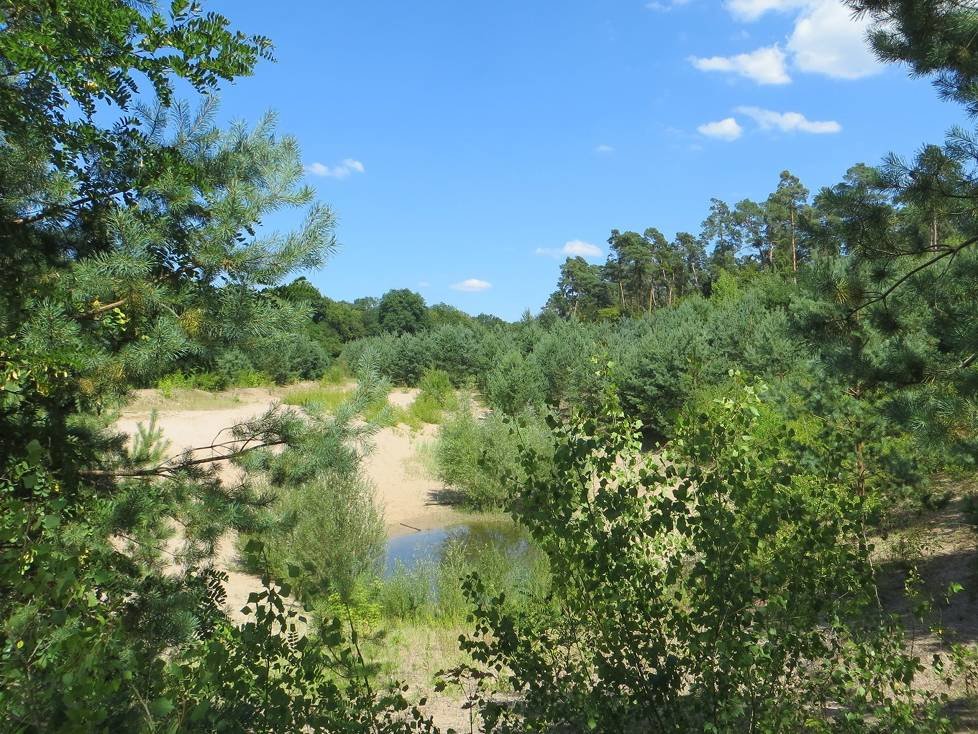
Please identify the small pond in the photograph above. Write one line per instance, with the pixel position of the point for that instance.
(471, 538)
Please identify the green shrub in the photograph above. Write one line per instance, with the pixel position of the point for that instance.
(330, 528)
(289, 358)
(458, 352)
(411, 357)
(251, 378)
(336, 374)
(402, 359)
(564, 358)
(231, 364)
(719, 588)
(480, 457)
(209, 381)
(515, 385)
(407, 593)
(436, 395)
(424, 409)
(174, 381)
(436, 385)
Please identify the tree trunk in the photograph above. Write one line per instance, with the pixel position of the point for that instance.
(794, 245)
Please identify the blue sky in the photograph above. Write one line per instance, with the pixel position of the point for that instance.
(465, 145)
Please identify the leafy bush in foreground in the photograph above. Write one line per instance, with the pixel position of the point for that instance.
(719, 587)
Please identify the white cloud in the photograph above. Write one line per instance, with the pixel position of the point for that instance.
(828, 40)
(826, 37)
(582, 248)
(789, 121)
(341, 170)
(727, 129)
(472, 285)
(574, 248)
(604, 148)
(764, 66)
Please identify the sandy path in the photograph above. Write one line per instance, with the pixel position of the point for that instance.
(410, 498)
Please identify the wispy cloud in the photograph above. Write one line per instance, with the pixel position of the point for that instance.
(789, 121)
(604, 149)
(574, 248)
(750, 10)
(342, 170)
(764, 66)
(472, 285)
(726, 129)
(664, 6)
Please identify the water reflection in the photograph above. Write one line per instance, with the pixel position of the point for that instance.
(474, 537)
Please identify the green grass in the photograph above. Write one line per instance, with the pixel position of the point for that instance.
(410, 621)
(182, 399)
(211, 381)
(336, 374)
(435, 398)
(327, 397)
(431, 592)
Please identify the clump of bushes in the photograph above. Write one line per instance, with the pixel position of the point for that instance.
(436, 395)
(332, 530)
(458, 352)
(289, 359)
(515, 384)
(480, 457)
(265, 362)
(402, 359)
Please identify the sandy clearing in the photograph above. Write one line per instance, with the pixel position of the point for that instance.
(410, 499)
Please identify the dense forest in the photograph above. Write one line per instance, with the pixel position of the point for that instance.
(705, 441)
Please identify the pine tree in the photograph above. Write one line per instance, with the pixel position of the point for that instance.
(127, 247)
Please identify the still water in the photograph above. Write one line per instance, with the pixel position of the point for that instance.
(474, 536)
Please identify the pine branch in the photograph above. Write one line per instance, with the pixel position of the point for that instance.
(96, 312)
(65, 208)
(950, 252)
(173, 464)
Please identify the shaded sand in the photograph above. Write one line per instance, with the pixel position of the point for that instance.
(943, 546)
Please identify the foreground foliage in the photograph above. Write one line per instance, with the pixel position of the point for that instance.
(129, 242)
(722, 585)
